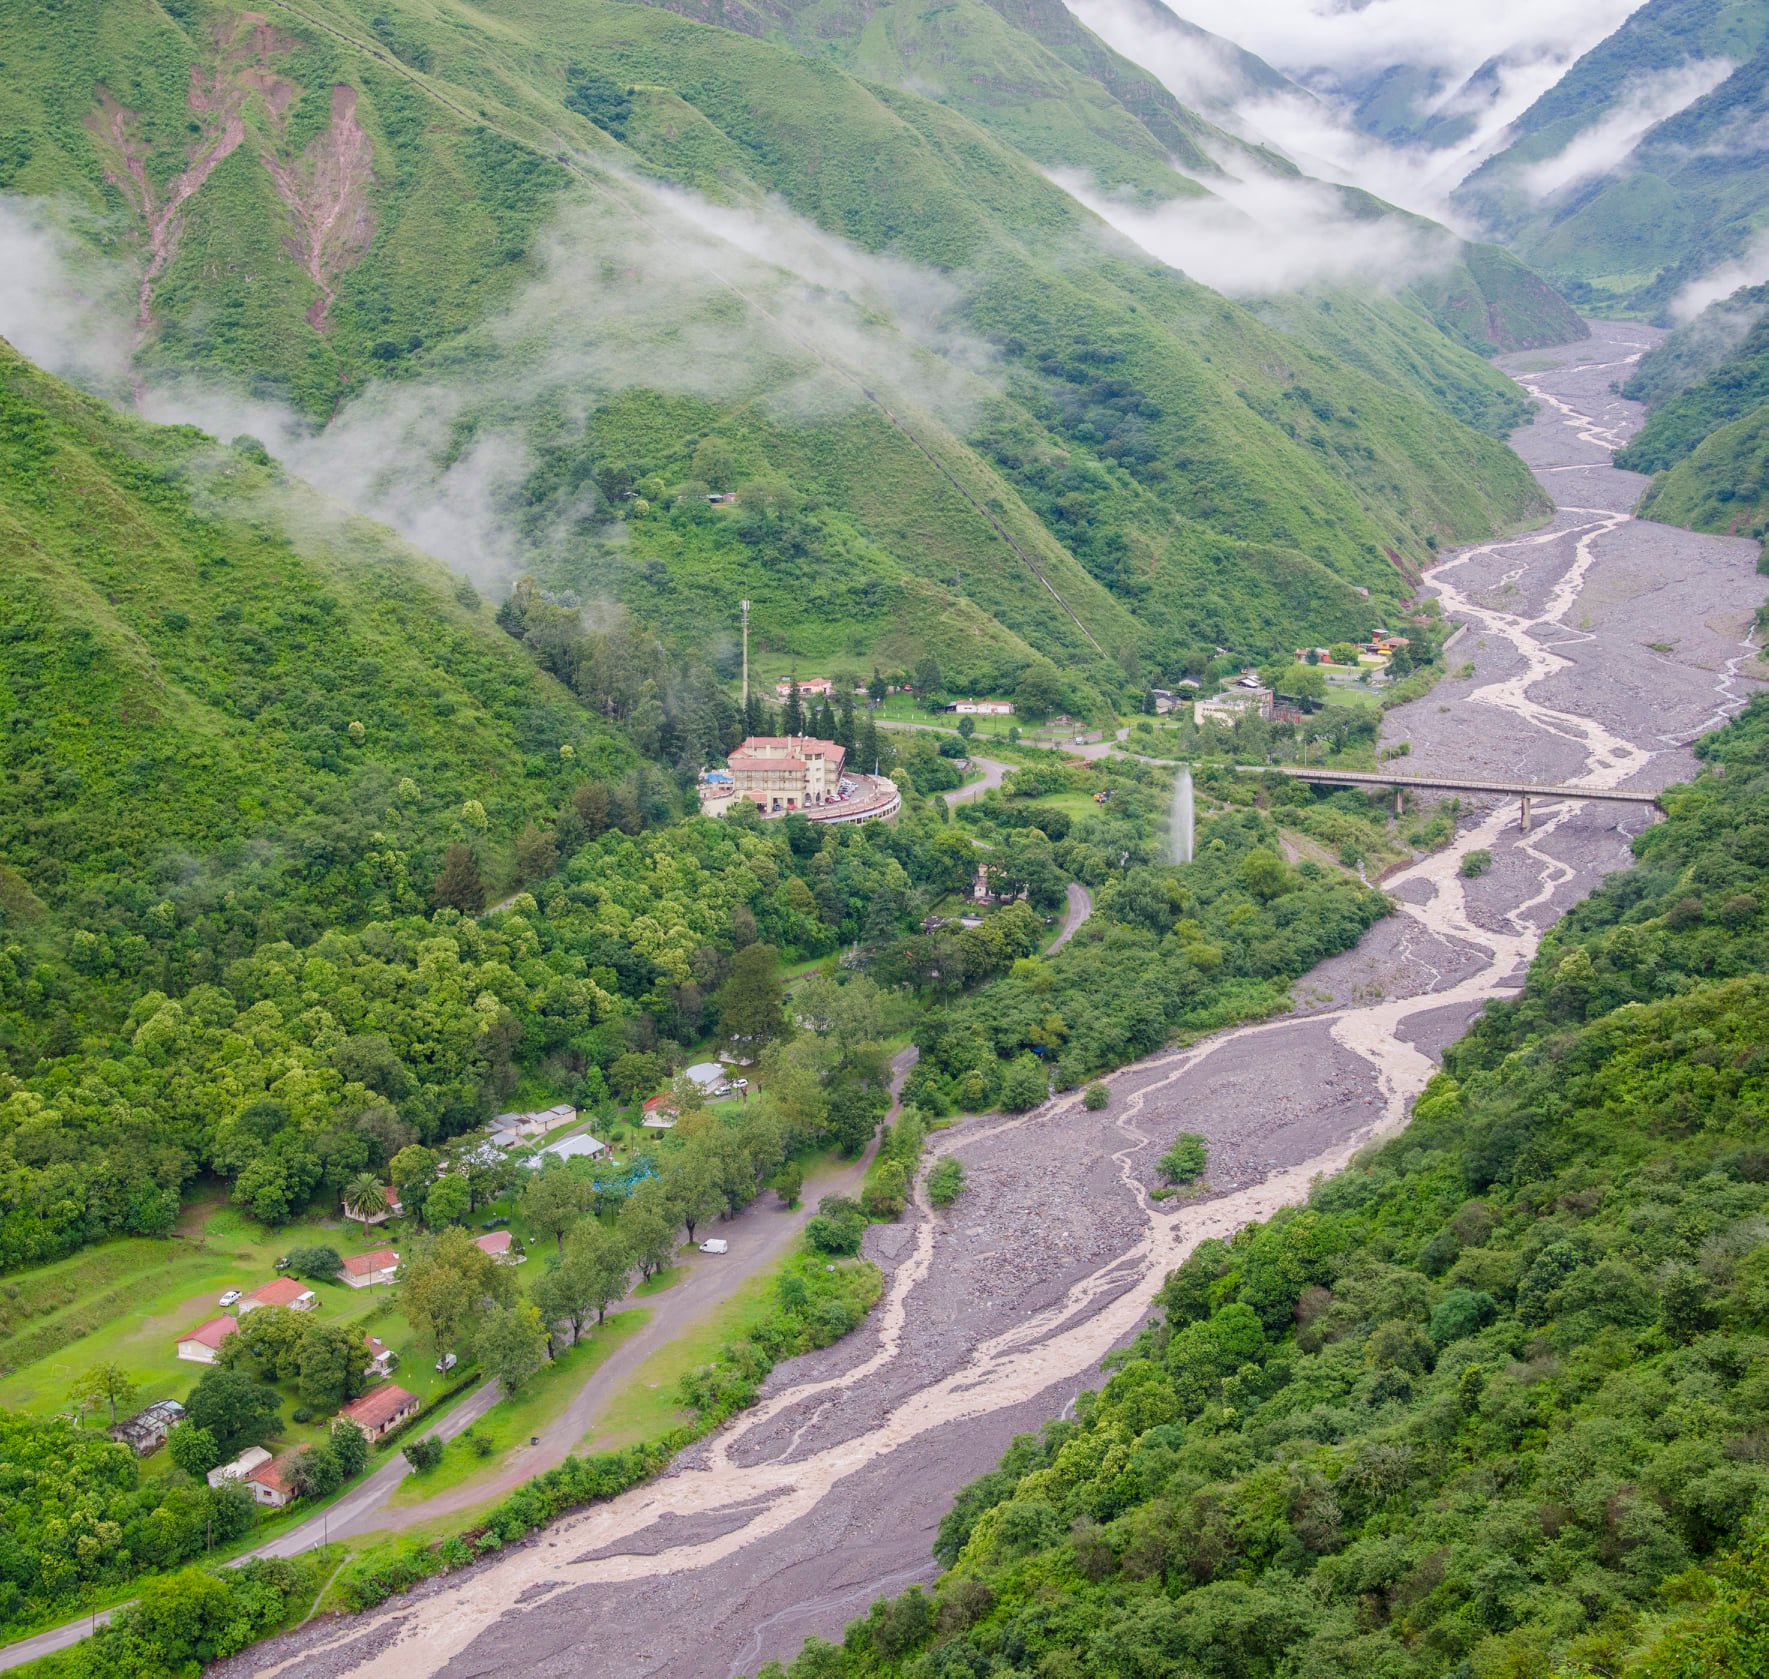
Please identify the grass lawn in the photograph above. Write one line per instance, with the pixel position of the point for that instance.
(648, 1405)
(668, 1277)
(127, 1302)
(512, 1421)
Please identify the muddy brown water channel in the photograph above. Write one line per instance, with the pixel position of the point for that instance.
(826, 1495)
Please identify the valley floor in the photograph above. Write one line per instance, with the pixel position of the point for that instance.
(1600, 648)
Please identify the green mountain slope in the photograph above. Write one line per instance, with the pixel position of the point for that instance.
(1689, 194)
(210, 670)
(1722, 485)
(1711, 372)
(1490, 1403)
(1031, 73)
(370, 197)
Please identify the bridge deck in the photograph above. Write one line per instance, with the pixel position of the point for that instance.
(1451, 784)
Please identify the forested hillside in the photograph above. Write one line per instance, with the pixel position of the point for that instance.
(1629, 232)
(1492, 1402)
(219, 682)
(988, 427)
(1707, 394)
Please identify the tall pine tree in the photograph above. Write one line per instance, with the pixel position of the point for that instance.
(792, 715)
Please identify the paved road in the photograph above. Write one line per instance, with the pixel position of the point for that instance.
(1080, 908)
(993, 771)
(760, 1236)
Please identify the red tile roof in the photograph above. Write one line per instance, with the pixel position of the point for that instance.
(277, 1474)
(215, 1331)
(378, 1407)
(497, 1242)
(284, 1291)
(380, 1259)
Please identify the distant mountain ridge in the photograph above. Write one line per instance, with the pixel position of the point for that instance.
(1685, 195)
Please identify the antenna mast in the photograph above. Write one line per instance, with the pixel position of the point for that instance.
(745, 605)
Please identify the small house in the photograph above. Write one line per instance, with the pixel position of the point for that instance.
(500, 1247)
(273, 1483)
(381, 1410)
(981, 708)
(708, 1077)
(659, 1113)
(582, 1147)
(284, 1291)
(365, 1270)
(145, 1432)
(201, 1344)
(253, 1457)
(383, 1360)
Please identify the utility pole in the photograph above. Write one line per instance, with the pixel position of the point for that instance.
(745, 605)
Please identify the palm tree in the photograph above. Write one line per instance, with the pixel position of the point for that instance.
(364, 1197)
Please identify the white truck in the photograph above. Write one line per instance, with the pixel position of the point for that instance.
(715, 1244)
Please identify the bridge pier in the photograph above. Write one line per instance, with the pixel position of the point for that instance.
(1523, 821)
(1399, 808)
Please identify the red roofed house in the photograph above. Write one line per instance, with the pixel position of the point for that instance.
(499, 1246)
(273, 1483)
(201, 1345)
(364, 1270)
(381, 1410)
(382, 1357)
(787, 772)
(284, 1291)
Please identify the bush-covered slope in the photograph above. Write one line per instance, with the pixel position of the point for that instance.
(484, 232)
(1686, 197)
(1491, 1403)
(1707, 374)
(1722, 485)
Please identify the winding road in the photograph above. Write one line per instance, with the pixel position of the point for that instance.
(826, 1493)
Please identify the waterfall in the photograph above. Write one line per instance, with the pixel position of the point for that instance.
(1184, 821)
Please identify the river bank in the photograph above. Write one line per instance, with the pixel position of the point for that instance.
(827, 1493)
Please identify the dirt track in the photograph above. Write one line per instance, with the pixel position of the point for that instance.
(827, 1493)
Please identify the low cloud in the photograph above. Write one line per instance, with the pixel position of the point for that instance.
(1343, 39)
(1750, 269)
(1265, 234)
(1312, 124)
(58, 306)
(640, 287)
(1603, 147)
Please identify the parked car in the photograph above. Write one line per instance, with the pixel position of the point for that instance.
(446, 1363)
(230, 1297)
(715, 1244)
(283, 1263)
(740, 1084)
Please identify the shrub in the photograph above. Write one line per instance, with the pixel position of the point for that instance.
(1184, 1162)
(1024, 1085)
(424, 1454)
(839, 1236)
(1095, 1097)
(316, 1263)
(945, 1182)
(1475, 864)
